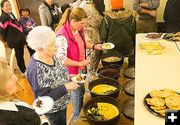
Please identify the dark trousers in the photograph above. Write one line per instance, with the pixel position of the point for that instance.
(57, 118)
(19, 53)
(31, 51)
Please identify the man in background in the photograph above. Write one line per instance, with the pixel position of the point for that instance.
(49, 14)
(147, 10)
(172, 16)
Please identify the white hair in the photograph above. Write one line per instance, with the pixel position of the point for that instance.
(40, 37)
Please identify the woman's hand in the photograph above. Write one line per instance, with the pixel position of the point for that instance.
(84, 62)
(71, 86)
(98, 47)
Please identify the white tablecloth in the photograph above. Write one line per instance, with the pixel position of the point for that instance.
(154, 72)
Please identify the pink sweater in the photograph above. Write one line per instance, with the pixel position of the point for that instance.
(73, 51)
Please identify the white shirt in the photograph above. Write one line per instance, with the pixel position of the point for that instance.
(11, 106)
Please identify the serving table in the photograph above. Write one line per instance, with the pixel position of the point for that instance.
(122, 98)
(154, 72)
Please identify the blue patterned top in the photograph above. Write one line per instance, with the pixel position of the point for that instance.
(49, 80)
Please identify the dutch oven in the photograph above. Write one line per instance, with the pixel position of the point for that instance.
(111, 71)
(113, 54)
(106, 81)
(102, 99)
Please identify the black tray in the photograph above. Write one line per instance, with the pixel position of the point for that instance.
(149, 108)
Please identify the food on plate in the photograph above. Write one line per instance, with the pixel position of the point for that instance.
(107, 46)
(161, 100)
(177, 34)
(111, 59)
(103, 89)
(154, 35)
(173, 101)
(172, 36)
(151, 46)
(155, 101)
(80, 77)
(39, 103)
(102, 111)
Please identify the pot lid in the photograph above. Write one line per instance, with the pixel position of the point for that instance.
(129, 87)
(130, 72)
(128, 108)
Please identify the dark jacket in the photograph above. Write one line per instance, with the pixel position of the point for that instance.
(100, 6)
(11, 31)
(24, 116)
(120, 30)
(172, 16)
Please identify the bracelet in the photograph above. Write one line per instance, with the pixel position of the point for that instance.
(93, 47)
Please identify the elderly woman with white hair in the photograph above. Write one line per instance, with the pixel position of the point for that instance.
(47, 75)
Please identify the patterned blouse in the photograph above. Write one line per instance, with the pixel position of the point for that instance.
(49, 80)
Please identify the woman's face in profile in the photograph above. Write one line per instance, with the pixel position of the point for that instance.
(10, 87)
(7, 7)
(80, 24)
(51, 49)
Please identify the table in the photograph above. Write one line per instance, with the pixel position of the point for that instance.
(178, 45)
(154, 72)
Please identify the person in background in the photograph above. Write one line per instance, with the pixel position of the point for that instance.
(117, 5)
(72, 47)
(47, 75)
(12, 111)
(64, 7)
(107, 4)
(147, 10)
(28, 23)
(49, 14)
(92, 26)
(172, 16)
(119, 28)
(12, 32)
(100, 6)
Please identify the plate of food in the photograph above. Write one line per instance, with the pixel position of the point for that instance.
(108, 46)
(172, 37)
(158, 101)
(80, 78)
(43, 104)
(154, 36)
(152, 48)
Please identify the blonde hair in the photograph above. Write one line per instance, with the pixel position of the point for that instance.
(76, 13)
(5, 74)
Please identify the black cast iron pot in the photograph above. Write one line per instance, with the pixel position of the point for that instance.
(112, 54)
(107, 81)
(111, 71)
(105, 99)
